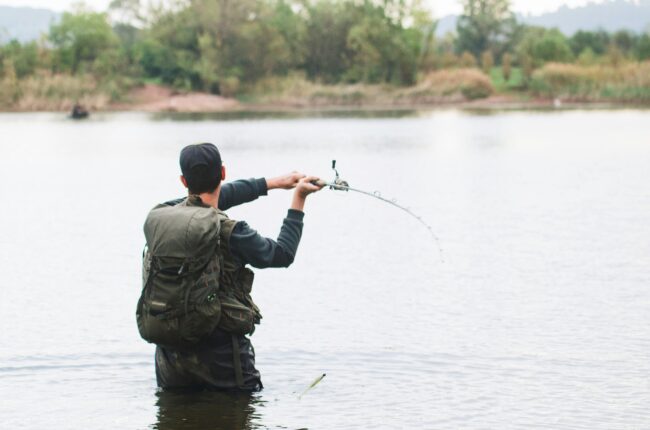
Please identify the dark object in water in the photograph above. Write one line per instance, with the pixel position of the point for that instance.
(79, 112)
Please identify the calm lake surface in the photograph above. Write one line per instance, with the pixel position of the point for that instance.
(539, 316)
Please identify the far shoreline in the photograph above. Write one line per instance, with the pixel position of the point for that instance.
(490, 104)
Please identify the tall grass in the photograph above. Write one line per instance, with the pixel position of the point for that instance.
(46, 92)
(438, 87)
(628, 82)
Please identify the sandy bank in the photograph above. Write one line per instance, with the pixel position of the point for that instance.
(155, 98)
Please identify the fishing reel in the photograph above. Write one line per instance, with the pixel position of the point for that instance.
(336, 184)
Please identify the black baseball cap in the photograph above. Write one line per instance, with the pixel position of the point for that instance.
(201, 167)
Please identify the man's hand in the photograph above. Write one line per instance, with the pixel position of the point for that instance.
(306, 186)
(285, 182)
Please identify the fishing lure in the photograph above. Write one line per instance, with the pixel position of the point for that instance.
(312, 385)
(339, 184)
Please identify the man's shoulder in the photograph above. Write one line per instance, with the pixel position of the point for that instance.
(228, 225)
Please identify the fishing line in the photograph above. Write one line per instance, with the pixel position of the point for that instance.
(341, 185)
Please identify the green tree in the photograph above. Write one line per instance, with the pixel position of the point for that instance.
(328, 54)
(383, 48)
(367, 40)
(24, 57)
(624, 40)
(597, 41)
(210, 44)
(80, 38)
(485, 25)
(541, 46)
(642, 48)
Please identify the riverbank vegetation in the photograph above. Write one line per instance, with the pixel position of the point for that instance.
(315, 53)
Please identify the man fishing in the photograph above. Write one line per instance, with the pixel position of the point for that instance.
(196, 304)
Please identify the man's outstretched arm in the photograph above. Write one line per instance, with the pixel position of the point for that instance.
(243, 191)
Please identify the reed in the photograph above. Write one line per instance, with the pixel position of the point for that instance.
(442, 86)
(628, 82)
(56, 92)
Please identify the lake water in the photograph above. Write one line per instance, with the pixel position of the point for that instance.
(539, 316)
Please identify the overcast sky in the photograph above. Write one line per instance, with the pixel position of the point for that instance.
(439, 7)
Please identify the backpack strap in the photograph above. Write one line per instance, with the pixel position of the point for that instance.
(236, 361)
(227, 226)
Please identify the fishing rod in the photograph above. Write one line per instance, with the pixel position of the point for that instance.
(339, 184)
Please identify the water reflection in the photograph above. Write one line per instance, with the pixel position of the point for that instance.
(204, 410)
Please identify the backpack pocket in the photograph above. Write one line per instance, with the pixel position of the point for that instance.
(200, 322)
(236, 318)
(176, 329)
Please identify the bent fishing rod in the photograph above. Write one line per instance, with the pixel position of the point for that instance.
(339, 184)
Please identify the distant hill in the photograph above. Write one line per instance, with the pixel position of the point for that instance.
(610, 16)
(24, 23)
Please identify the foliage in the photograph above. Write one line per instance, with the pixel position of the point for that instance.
(543, 46)
(235, 48)
(367, 41)
(24, 58)
(80, 38)
(515, 81)
(506, 66)
(642, 48)
(485, 25)
(206, 44)
(596, 41)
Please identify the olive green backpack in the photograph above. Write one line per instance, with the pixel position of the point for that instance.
(189, 289)
(179, 304)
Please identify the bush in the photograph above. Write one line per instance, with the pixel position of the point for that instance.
(467, 60)
(451, 85)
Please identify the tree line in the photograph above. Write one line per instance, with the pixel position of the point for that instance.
(221, 46)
